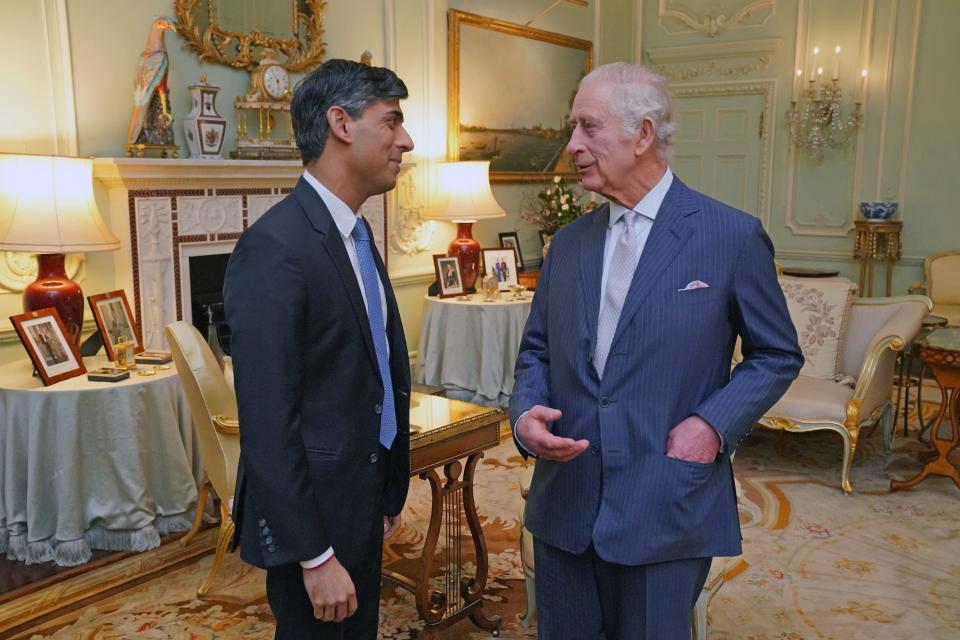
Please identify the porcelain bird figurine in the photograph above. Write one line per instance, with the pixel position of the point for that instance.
(151, 120)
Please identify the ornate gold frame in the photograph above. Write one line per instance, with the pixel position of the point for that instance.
(235, 49)
(454, 21)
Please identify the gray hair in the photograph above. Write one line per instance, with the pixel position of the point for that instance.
(341, 83)
(640, 93)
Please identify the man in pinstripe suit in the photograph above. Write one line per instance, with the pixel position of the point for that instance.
(623, 385)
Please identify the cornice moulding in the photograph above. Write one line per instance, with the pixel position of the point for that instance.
(698, 52)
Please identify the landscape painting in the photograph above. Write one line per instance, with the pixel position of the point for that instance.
(511, 92)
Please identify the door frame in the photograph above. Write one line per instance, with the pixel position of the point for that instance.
(767, 90)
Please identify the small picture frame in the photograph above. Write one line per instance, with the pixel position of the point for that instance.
(449, 275)
(112, 313)
(502, 263)
(46, 340)
(510, 240)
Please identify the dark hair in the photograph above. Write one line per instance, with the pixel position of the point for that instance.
(350, 85)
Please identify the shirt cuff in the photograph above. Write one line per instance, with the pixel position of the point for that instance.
(319, 560)
(517, 438)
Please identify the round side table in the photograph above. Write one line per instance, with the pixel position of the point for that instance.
(907, 377)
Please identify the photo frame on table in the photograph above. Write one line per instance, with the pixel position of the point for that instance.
(502, 263)
(111, 311)
(46, 340)
(449, 275)
(524, 139)
(510, 240)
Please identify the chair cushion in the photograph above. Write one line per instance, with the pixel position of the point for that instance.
(819, 310)
(814, 399)
(949, 311)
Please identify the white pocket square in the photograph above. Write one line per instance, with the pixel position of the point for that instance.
(696, 284)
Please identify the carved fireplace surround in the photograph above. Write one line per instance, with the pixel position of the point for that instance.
(165, 211)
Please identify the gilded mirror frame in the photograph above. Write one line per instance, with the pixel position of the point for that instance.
(303, 50)
(456, 56)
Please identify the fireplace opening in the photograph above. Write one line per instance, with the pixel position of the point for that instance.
(206, 296)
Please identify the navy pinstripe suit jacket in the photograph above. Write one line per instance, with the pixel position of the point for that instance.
(670, 358)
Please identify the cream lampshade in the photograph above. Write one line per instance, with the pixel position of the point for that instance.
(47, 208)
(464, 196)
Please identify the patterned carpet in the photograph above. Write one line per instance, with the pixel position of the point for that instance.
(817, 564)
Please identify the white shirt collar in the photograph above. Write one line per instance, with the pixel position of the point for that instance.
(343, 216)
(649, 204)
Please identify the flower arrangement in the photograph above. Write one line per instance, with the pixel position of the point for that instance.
(554, 206)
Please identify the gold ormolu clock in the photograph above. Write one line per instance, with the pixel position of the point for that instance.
(269, 96)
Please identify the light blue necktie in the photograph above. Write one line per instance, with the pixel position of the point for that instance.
(371, 286)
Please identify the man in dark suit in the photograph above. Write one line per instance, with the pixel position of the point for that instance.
(322, 374)
(623, 384)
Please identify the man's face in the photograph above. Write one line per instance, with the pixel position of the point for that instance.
(379, 142)
(603, 153)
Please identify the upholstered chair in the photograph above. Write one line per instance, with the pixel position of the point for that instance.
(876, 329)
(942, 285)
(213, 406)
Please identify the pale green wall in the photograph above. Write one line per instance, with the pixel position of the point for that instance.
(909, 140)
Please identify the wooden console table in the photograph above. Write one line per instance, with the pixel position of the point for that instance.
(453, 435)
(876, 242)
(940, 351)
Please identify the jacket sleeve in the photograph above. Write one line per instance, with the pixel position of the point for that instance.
(265, 304)
(771, 355)
(532, 371)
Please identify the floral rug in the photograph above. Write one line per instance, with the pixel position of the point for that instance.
(816, 563)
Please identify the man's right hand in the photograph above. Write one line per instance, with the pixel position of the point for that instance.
(331, 591)
(535, 436)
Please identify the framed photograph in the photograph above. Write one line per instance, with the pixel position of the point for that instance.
(510, 240)
(502, 263)
(449, 276)
(114, 320)
(46, 340)
(524, 137)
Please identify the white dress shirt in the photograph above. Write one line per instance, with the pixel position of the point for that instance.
(345, 219)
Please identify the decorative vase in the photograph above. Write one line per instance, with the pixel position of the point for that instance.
(204, 127)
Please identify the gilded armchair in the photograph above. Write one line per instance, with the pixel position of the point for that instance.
(876, 330)
(942, 285)
(213, 406)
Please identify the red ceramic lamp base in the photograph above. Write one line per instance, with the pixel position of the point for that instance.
(53, 288)
(468, 250)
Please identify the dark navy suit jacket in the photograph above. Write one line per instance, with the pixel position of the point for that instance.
(670, 358)
(309, 391)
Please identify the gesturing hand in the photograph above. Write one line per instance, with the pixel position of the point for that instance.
(693, 440)
(535, 436)
(390, 525)
(331, 591)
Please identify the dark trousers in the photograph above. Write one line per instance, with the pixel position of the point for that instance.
(584, 597)
(362, 557)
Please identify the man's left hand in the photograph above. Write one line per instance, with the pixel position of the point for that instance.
(693, 440)
(390, 525)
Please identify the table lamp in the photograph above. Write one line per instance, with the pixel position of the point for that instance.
(47, 208)
(465, 197)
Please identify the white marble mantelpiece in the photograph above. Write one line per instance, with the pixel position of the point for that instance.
(165, 210)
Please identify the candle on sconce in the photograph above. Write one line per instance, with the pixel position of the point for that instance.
(798, 85)
(836, 63)
(819, 78)
(863, 87)
(813, 67)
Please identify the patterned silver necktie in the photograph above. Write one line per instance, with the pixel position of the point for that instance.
(622, 266)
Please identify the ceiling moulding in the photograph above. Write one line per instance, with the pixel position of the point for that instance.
(723, 59)
(717, 17)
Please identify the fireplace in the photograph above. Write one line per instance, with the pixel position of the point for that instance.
(203, 294)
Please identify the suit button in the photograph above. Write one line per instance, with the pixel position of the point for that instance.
(378, 408)
(262, 522)
(268, 540)
(373, 458)
(604, 402)
(271, 548)
(266, 531)
(595, 450)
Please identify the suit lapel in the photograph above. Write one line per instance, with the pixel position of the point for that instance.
(669, 233)
(591, 269)
(322, 221)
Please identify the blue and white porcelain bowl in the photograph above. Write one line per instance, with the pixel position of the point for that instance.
(878, 211)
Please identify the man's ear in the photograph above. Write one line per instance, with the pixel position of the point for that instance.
(645, 138)
(339, 120)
